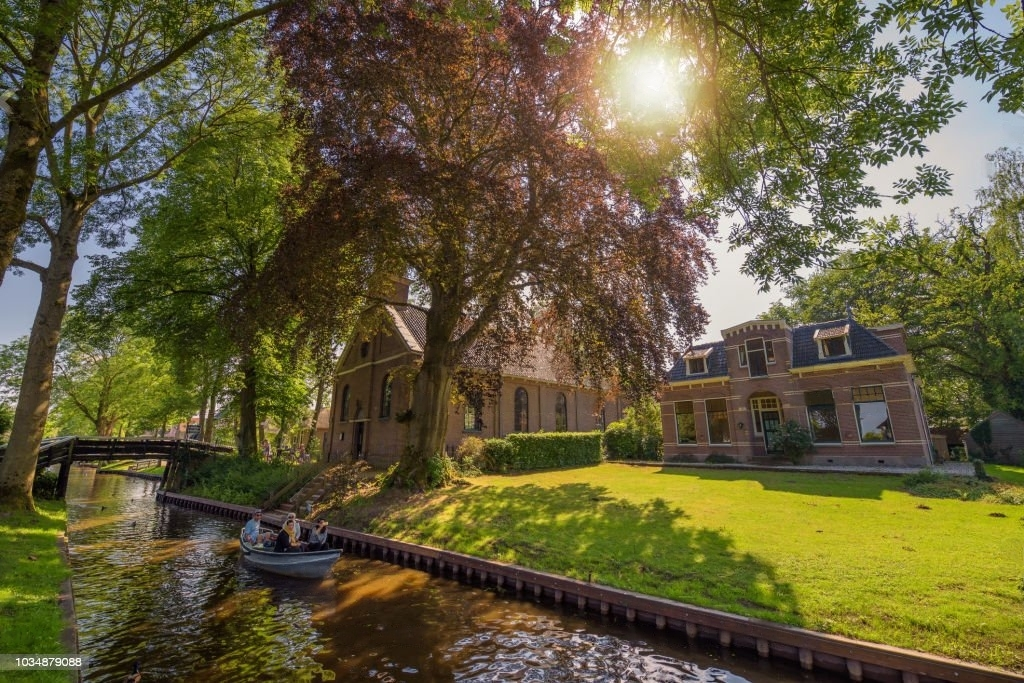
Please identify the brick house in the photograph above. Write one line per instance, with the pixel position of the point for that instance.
(854, 388)
(372, 395)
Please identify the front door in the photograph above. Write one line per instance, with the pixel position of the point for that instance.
(771, 422)
(357, 442)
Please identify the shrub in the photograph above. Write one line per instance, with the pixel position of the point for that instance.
(469, 456)
(982, 435)
(441, 471)
(522, 452)
(44, 486)
(922, 477)
(794, 441)
(244, 481)
(979, 470)
(638, 435)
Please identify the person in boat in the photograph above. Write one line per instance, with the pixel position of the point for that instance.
(318, 536)
(136, 675)
(288, 537)
(252, 533)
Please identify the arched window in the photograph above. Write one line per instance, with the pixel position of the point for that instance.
(561, 413)
(346, 394)
(522, 419)
(385, 396)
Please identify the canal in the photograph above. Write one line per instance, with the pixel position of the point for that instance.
(166, 587)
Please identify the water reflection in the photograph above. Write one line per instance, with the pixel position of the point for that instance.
(167, 587)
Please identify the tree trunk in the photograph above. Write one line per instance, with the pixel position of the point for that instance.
(247, 443)
(18, 467)
(211, 417)
(430, 397)
(28, 124)
(317, 407)
(202, 419)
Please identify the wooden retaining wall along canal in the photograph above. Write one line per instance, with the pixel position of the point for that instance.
(860, 661)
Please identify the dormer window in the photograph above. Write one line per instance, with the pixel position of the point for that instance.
(697, 361)
(833, 342)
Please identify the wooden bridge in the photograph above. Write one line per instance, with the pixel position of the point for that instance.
(180, 454)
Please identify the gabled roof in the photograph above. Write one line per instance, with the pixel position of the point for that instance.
(714, 353)
(411, 324)
(864, 344)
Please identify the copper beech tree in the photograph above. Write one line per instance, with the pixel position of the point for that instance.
(462, 152)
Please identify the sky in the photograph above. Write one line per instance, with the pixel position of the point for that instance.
(729, 297)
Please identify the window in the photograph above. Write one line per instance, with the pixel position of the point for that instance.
(686, 425)
(872, 414)
(743, 355)
(346, 395)
(472, 419)
(385, 396)
(522, 411)
(718, 420)
(561, 413)
(756, 358)
(821, 415)
(696, 366)
(769, 351)
(833, 341)
(364, 349)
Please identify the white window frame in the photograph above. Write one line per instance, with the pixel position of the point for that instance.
(703, 362)
(728, 422)
(888, 415)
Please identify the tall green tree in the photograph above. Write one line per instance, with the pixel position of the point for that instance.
(130, 41)
(192, 279)
(106, 152)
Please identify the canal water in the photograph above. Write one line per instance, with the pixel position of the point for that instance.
(166, 587)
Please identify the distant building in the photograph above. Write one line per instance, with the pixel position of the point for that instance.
(371, 396)
(854, 388)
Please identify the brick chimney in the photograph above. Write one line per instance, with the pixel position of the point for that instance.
(401, 291)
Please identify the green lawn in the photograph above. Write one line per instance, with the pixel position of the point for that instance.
(853, 555)
(31, 572)
(1007, 473)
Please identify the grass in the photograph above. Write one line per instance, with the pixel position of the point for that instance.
(852, 555)
(32, 570)
(1006, 473)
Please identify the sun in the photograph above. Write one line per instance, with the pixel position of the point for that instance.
(650, 84)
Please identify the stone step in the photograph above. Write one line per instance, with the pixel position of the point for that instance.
(286, 507)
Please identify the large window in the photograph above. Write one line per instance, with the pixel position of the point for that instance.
(346, 397)
(718, 420)
(385, 396)
(686, 425)
(473, 420)
(522, 411)
(561, 413)
(872, 414)
(821, 414)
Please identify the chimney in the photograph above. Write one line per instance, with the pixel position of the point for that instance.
(401, 291)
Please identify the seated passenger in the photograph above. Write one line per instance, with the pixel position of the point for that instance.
(287, 538)
(251, 533)
(318, 536)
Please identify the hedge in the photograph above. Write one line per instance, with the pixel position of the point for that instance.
(523, 452)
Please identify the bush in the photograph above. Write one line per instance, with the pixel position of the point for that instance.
(794, 441)
(523, 452)
(244, 481)
(638, 435)
(979, 470)
(469, 456)
(44, 486)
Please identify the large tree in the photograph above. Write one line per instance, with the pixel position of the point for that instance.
(489, 152)
(97, 167)
(958, 286)
(140, 39)
(192, 277)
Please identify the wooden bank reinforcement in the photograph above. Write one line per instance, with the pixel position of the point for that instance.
(860, 661)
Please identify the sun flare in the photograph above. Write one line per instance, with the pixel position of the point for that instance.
(651, 84)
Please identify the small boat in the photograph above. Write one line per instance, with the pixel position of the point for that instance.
(312, 564)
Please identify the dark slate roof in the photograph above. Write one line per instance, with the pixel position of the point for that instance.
(414, 320)
(717, 366)
(864, 345)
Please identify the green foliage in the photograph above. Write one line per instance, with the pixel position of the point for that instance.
(441, 471)
(794, 440)
(469, 455)
(524, 452)
(982, 435)
(638, 435)
(6, 419)
(243, 481)
(44, 486)
(979, 470)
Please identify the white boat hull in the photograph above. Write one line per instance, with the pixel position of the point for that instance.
(301, 565)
